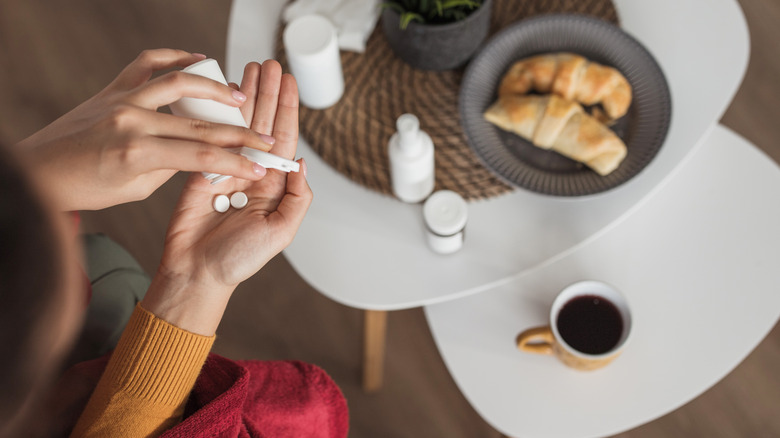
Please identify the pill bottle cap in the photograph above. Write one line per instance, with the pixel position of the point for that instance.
(208, 68)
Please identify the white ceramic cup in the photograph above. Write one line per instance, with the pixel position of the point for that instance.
(548, 339)
(312, 49)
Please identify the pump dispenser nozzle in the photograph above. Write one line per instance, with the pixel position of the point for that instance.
(408, 126)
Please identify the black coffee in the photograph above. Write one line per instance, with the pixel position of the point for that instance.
(590, 324)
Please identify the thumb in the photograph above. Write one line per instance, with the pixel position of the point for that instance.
(296, 200)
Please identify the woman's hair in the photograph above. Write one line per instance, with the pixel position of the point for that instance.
(31, 272)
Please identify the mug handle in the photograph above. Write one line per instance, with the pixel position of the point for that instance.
(538, 340)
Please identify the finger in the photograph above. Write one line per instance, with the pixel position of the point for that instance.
(169, 126)
(196, 198)
(149, 61)
(296, 201)
(267, 97)
(249, 84)
(155, 153)
(172, 86)
(285, 130)
(233, 85)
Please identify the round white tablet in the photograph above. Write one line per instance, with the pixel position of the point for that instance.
(238, 200)
(221, 203)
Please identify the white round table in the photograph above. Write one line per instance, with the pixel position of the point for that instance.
(368, 250)
(698, 264)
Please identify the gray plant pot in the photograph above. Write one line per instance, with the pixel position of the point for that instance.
(437, 46)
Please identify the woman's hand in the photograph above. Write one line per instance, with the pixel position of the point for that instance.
(207, 254)
(116, 147)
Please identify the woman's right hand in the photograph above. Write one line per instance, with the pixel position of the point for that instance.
(207, 254)
(116, 148)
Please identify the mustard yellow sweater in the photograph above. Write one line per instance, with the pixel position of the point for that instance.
(146, 383)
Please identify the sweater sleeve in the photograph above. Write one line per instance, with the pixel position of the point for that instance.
(147, 381)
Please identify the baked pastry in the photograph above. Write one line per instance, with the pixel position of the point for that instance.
(551, 122)
(572, 77)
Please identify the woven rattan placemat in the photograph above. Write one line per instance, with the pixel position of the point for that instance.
(352, 135)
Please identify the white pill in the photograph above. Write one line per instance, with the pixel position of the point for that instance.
(221, 203)
(238, 200)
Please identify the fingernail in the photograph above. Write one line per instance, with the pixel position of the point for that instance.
(258, 169)
(267, 139)
(304, 167)
(239, 96)
(199, 55)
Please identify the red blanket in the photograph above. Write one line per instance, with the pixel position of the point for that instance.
(246, 399)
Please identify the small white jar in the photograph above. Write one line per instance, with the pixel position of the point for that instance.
(445, 213)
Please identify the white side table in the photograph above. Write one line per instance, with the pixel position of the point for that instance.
(698, 264)
(368, 251)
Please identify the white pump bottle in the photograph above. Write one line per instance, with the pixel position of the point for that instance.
(411, 160)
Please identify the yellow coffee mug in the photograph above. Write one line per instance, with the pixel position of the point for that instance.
(548, 339)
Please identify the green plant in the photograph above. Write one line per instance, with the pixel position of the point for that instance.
(431, 11)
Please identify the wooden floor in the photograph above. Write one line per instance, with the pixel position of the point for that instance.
(54, 55)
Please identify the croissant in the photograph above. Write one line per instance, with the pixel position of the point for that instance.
(571, 77)
(551, 122)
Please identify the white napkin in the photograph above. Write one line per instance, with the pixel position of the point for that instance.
(354, 19)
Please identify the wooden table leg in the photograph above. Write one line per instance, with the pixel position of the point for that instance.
(374, 328)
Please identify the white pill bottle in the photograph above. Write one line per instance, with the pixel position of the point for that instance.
(411, 160)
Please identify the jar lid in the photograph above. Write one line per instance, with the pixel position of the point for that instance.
(445, 212)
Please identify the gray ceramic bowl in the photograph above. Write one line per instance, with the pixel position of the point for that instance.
(437, 46)
(523, 165)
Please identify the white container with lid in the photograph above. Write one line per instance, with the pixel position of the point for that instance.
(218, 112)
(411, 160)
(312, 48)
(445, 214)
(207, 109)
